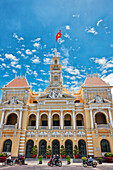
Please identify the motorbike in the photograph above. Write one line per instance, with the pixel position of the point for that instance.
(55, 161)
(8, 162)
(90, 163)
(19, 161)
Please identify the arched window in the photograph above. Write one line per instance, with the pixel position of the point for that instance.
(79, 120)
(7, 146)
(67, 120)
(105, 147)
(44, 120)
(100, 118)
(12, 119)
(55, 61)
(56, 121)
(32, 120)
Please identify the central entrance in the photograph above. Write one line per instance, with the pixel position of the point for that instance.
(82, 148)
(29, 147)
(69, 148)
(42, 148)
(55, 147)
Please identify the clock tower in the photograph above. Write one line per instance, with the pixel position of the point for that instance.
(56, 79)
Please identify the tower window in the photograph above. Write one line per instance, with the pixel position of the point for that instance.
(55, 61)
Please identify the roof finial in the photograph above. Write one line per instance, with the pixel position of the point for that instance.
(55, 52)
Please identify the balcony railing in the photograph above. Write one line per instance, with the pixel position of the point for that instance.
(67, 127)
(43, 127)
(31, 127)
(80, 127)
(9, 126)
(103, 126)
(55, 127)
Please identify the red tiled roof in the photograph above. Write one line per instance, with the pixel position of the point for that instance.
(94, 81)
(18, 82)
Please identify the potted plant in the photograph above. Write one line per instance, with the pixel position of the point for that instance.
(76, 152)
(40, 159)
(84, 159)
(68, 159)
(48, 151)
(34, 151)
(99, 160)
(3, 157)
(109, 157)
(62, 151)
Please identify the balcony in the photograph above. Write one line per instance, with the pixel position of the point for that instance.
(103, 126)
(43, 127)
(80, 127)
(10, 127)
(67, 127)
(31, 127)
(55, 127)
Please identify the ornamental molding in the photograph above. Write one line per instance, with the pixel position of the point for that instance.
(102, 111)
(13, 100)
(10, 112)
(81, 134)
(69, 134)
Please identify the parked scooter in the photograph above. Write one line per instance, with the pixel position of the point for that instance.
(19, 160)
(8, 161)
(55, 161)
(90, 163)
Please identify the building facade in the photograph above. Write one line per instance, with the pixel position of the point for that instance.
(56, 117)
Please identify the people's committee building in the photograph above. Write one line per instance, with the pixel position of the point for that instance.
(56, 117)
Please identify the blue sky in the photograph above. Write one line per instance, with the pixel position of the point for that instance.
(27, 40)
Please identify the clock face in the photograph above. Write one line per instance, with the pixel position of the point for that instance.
(55, 77)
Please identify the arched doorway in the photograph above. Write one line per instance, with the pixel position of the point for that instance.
(105, 146)
(100, 118)
(32, 120)
(55, 147)
(42, 148)
(7, 146)
(29, 146)
(12, 119)
(69, 148)
(82, 148)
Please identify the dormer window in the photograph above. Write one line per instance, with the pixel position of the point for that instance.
(55, 61)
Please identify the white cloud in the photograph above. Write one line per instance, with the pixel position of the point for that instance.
(37, 39)
(28, 52)
(109, 79)
(35, 73)
(33, 51)
(67, 35)
(67, 27)
(13, 64)
(37, 45)
(14, 71)
(111, 45)
(99, 22)
(47, 61)
(71, 70)
(101, 60)
(67, 77)
(76, 16)
(39, 79)
(2, 59)
(19, 52)
(35, 59)
(72, 78)
(92, 30)
(16, 36)
(34, 83)
(11, 57)
(6, 75)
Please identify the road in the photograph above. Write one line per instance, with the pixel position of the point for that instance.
(66, 167)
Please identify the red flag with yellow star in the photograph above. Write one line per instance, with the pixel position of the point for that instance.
(58, 35)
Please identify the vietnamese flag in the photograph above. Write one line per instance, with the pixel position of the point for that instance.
(58, 35)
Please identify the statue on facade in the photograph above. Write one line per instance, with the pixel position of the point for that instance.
(98, 99)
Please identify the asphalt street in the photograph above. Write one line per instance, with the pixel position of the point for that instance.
(67, 167)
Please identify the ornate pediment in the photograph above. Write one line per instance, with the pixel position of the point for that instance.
(14, 100)
(99, 99)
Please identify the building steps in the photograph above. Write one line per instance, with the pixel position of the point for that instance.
(90, 147)
(22, 143)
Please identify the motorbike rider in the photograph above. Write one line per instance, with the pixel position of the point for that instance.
(8, 159)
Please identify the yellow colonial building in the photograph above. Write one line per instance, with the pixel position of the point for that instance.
(56, 117)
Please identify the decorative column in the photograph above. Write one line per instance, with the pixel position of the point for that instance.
(37, 119)
(91, 117)
(2, 118)
(110, 117)
(62, 120)
(49, 119)
(20, 119)
(74, 123)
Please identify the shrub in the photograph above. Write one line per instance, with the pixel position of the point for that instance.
(40, 158)
(76, 151)
(3, 155)
(108, 154)
(68, 158)
(48, 150)
(34, 150)
(62, 150)
(99, 159)
(84, 158)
